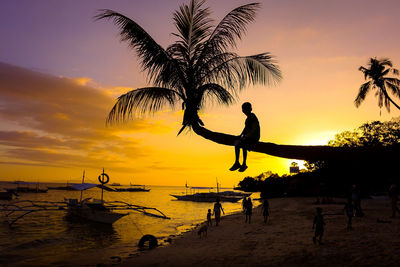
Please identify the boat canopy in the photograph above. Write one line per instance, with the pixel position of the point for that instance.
(83, 186)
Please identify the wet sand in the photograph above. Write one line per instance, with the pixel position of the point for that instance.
(287, 239)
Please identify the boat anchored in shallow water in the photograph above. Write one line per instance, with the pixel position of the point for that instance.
(133, 188)
(224, 196)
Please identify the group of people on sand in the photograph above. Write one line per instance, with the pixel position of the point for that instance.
(352, 209)
(247, 206)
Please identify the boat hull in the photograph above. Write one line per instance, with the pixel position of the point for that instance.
(96, 215)
(207, 198)
(131, 190)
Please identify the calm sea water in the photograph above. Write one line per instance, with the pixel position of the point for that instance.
(49, 238)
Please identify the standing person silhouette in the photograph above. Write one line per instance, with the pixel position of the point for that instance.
(249, 136)
(249, 210)
(265, 210)
(217, 212)
(394, 195)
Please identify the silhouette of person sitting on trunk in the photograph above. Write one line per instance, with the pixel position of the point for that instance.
(247, 139)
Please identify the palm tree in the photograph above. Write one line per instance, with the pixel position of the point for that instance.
(199, 67)
(376, 73)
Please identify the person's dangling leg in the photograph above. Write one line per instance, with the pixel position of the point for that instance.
(236, 165)
(243, 167)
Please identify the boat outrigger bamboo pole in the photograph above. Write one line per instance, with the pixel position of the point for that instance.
(102, 186)
(83, 180)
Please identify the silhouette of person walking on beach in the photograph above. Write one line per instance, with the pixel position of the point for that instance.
(249, 210)
(318, 225)
(349, 210)
(394, 195)
(356, 196)
(249, 136)
(244, 204)
(217, 212)
(265, 210)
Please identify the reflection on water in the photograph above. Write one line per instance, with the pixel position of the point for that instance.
(52, 238)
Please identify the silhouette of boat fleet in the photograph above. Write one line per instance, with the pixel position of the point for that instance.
(31, 187)
(197, 196)
(97, 210)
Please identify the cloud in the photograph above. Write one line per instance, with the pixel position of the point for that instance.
(58, 121)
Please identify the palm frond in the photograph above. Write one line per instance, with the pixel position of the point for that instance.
(141, 101)
(365, 71)
(395, 71)
(193, 24)
(228, 31)
(387, 103)
(214, 92)
(394, 85)
(362, 93)
(155, 61)
(385, 62)
(239, 72)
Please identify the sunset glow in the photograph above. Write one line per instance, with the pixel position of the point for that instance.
(61, 71)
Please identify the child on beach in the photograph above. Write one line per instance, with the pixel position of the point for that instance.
(209, 217)
(249, 210)
(249, 136)
(265, 210)
(217, 212)
(349, 210)
(318, 224)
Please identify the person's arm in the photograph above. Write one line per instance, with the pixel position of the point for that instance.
(222, 210)
(243, 132)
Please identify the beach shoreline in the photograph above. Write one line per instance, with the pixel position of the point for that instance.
(286, 240)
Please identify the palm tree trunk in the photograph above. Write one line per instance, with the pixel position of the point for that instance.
(302, 152)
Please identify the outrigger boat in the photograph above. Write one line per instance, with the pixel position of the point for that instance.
(96, 210)
(226, 196)
(207, 197)
(133, 188)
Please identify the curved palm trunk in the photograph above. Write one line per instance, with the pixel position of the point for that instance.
(302, 152)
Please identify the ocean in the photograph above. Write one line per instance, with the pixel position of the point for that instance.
(50, 238)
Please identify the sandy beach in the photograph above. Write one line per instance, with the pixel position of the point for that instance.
(287, 239)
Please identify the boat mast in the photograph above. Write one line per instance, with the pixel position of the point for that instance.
(83, 180)
(102, 186)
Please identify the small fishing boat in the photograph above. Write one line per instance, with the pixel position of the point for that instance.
(27, 187)
(94, 210)
(133, 188)
(207, 197)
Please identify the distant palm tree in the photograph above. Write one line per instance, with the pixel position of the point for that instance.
(376, 73)
(198, 67)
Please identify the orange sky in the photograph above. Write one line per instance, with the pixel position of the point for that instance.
(53, 110)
